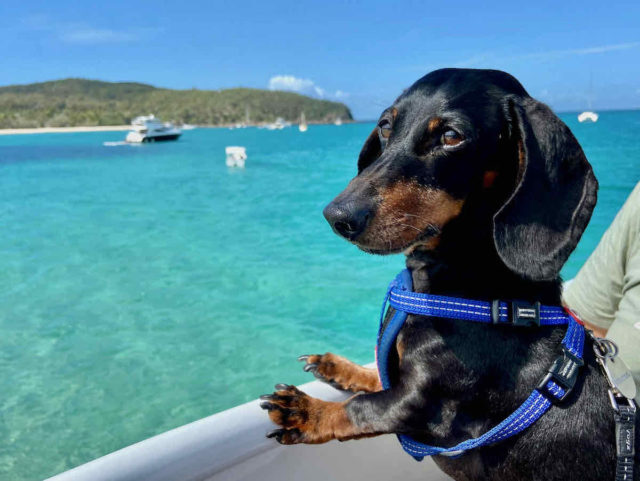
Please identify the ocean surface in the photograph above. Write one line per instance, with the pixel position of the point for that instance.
(144, 287)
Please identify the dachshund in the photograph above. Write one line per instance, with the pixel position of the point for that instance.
(487, 192)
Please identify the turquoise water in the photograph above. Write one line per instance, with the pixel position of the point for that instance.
(144, 287)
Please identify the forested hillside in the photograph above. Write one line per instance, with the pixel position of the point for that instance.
(75, 102)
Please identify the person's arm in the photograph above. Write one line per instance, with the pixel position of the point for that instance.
(606, 291)
(597, 331)
(596, 291)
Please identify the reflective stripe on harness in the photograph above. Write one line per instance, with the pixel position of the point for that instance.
(555, 387)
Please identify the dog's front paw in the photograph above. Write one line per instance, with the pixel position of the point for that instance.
(326, 367)
(341, 373)
(303, 419)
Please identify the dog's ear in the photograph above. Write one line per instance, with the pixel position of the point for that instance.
(555, 193)
(371, 150)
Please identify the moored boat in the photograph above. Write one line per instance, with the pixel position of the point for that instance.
(236, 156)
(279, 124)
(588, 116)
(147, 128)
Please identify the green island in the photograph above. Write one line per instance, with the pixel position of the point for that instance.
(81, 102)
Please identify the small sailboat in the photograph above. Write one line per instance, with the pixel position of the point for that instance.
(338, 121)
(302, 126)
(589, 115)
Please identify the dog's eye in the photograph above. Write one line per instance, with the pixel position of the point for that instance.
(384, 126)
(451, 137)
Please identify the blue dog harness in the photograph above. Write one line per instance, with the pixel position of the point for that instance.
(553, 388)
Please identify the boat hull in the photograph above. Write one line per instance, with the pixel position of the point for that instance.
(138, 138)
(161, 138)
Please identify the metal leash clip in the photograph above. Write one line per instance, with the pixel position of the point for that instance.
(618, 374)
(613, 399)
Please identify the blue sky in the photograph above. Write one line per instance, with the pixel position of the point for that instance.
(362, 53)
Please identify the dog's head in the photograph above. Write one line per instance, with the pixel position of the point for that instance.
(458, 136)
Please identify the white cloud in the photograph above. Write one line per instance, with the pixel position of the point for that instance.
(490, 58)
(553, 54)
(89, 35)
(601, 49)
(83, 33)
(303, 86)
(289, 82)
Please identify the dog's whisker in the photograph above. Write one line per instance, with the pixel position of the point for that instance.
(410, 226)
(403, 214)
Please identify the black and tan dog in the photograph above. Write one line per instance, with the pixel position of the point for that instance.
(487, 192)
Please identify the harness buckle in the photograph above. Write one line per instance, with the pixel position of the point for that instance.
(525, 313)
(563, 372)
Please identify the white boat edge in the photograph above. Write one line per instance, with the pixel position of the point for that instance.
(231, 445)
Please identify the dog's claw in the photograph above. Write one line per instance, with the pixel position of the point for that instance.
(304, 357)
(274, 433)
(310, 367)
(282, 387)
(285, 436)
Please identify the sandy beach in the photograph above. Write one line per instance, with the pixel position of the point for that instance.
(58, 130)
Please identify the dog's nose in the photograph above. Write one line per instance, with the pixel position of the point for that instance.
(347, 219)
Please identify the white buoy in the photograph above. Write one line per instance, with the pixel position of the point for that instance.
(236, 156)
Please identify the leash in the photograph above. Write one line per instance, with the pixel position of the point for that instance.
(554, 387)
(622, 390)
